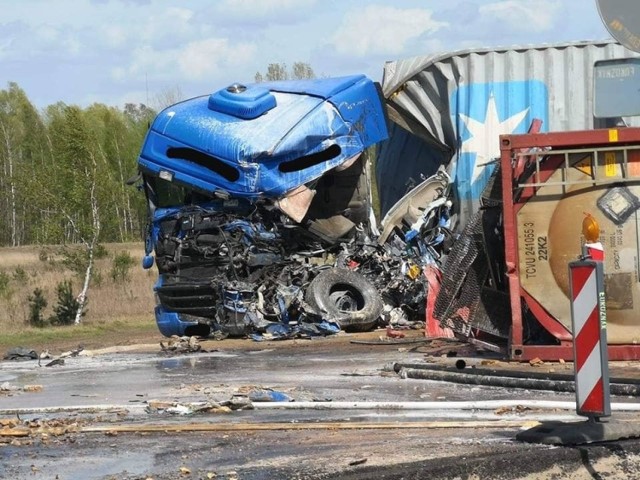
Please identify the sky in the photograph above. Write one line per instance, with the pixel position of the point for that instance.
(120, 51)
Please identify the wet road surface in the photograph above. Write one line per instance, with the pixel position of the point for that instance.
(343, 443)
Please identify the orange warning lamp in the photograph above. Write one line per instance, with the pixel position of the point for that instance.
(590, 229)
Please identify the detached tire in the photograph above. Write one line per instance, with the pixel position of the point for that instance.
(346, 297)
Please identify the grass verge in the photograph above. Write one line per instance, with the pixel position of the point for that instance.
(125, 331)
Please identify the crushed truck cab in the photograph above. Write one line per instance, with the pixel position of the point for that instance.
(255, 192)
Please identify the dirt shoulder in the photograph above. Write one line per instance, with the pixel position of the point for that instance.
(139, 336)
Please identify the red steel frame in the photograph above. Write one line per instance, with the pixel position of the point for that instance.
(510, 144)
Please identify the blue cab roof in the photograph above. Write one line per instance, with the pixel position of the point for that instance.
(265, 139)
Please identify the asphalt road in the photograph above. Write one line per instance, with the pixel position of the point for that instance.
(90, 419)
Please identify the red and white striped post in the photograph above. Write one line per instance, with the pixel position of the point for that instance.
(589, 325)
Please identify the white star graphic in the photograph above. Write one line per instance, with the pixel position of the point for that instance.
(484, 135)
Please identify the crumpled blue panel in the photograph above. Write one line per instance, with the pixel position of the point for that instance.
(344, 112)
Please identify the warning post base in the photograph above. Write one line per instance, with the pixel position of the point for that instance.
(578, 433)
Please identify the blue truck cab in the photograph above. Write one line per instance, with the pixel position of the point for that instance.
(252, 192)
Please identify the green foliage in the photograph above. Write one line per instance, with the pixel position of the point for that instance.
(37, 304)
(100, 251)
(74, 259)
(64, 312)
(20, 276)
(5, 288)
(120, 269)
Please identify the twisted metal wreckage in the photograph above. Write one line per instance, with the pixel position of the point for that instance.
(261, 221)
(260, 201)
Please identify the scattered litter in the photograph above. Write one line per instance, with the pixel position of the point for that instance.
(358, 462)
(175, 408)
(536, 362)
(279, 331)
(20, 354)
(179, 410)
(72, 353)
(184, 344)
(44, 428)
(268, 395)
(511, 409)
(55, 362)
(32, 388)
(388, 341)
(6, 387)
(239, 402)
(391, 333)
(489, 362)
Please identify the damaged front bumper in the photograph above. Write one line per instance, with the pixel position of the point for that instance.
(227, 271)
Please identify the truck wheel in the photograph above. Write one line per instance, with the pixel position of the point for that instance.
(345, 297)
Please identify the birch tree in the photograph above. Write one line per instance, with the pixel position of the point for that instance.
(69, 187)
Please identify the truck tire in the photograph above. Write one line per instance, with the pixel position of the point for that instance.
(345, 297)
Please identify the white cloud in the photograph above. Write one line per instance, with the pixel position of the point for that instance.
(258, 8)
(172, 23)
(382, 30)
(118, 74)
(518, 14)
(116, 35)
(193, 61)
(27, 42)
(48, 33)
(202, 58)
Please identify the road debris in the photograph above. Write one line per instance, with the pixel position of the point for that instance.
(184, 344)
(536, 362)
(7, 388)
(391, 333)
(557, 382)
(55, 362)
(268, 395)
(38, 427)
(177, 408)
(519, 409)
(20, 354)
(73, 353)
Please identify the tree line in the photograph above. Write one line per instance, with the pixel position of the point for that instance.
(63, 171)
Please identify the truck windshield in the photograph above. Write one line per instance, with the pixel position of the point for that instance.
(169, 194)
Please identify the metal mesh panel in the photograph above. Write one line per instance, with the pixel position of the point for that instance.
(464, 302)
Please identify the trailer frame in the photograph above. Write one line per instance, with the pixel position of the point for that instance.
(515, 150)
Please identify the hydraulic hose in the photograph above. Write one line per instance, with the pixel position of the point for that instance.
(494, 378)
(462, 366)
